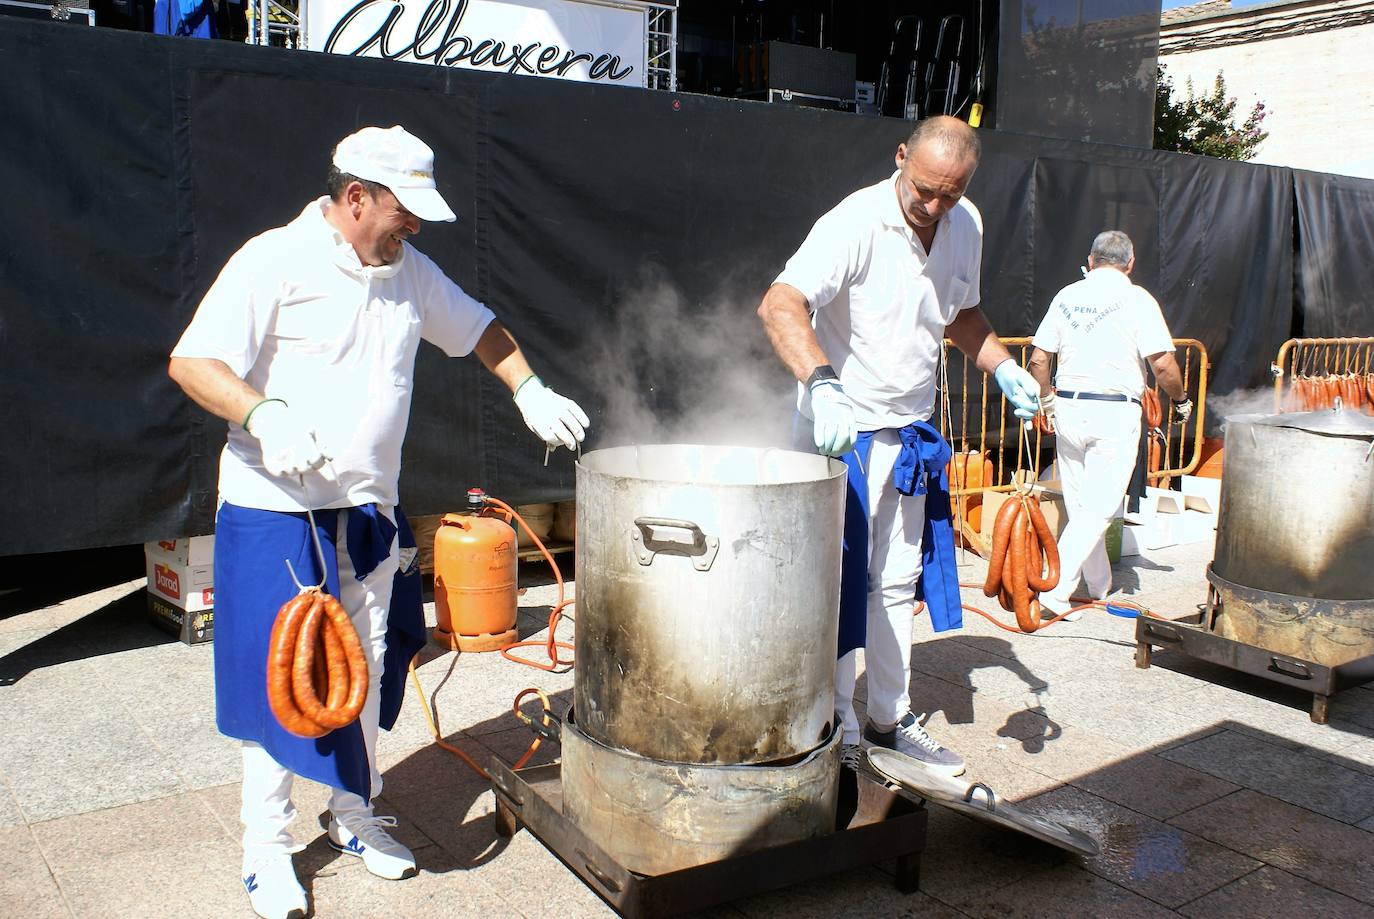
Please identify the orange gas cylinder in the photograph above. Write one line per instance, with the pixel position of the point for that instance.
(475, 579)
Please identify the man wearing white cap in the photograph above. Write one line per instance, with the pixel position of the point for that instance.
(306, 345)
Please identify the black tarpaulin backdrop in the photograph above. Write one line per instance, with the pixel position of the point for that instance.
(589, 217)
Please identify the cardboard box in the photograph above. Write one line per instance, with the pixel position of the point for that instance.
(193, 628)
(194, 551)
(1201, 494)
(191, 588)
(1051, 505)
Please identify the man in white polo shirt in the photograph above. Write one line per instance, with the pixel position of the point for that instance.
(1104, 329)
(306, 345)
(858, 316)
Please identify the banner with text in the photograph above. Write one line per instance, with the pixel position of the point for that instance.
(569, 39)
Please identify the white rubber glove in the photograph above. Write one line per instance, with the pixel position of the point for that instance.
(556, 420)
(1184, 410)
(1047, 409)
(288, 444)
(835, 428)
(1019, 387)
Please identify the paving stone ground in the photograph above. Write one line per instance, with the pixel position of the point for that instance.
(1212, 793)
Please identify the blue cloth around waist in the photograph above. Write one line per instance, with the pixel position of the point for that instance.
(251, 584)
(920, 470)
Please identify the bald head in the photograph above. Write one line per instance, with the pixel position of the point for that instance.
(947, 136)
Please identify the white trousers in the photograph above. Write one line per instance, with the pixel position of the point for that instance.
(896, 523)
(1096, 447)
(266, 809)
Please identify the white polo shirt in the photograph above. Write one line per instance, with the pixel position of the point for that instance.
(1103, 328)
(880, 303)
(300, 318)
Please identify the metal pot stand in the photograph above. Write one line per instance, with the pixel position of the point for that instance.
(978, 801)
(875, 823)
(1196, 637)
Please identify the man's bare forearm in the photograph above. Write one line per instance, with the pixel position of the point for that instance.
(214, 387)
(1167, 374)
(1039, 367)
(972, 335)
(787, 323)
(499, 352)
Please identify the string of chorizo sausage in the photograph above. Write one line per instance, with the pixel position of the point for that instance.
(1024, 560)
(316, 668)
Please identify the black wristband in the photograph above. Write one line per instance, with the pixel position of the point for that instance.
(820, 374)
(1181, 401)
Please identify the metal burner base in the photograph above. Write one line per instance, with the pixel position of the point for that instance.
(875, 823)
(1189, 636)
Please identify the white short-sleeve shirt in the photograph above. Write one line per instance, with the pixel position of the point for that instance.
(1103, 328)
(300, 318)
(880, 303)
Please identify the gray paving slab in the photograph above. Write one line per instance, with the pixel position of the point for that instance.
(1317, 784)
(171, 881)
(1271, 892)
(10, 815)
(74, 750)
(1068, 753)
(1359, 756)
(27, 885)
(443, 887)
(967, 861)
(191, 743)
(1319, 849)
(99, 835)
(1161, 862)
(535, 883)
(1154, 786)
(1066, 890)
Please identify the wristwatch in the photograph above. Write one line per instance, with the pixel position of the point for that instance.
(820, 374)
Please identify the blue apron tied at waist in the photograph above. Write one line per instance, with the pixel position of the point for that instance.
(249, 547)
(920, 469)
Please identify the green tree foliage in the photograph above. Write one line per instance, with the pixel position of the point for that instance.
(1205, 124)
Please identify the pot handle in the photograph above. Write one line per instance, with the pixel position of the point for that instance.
(702, 550)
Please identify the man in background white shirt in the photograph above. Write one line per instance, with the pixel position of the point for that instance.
(1104, 330)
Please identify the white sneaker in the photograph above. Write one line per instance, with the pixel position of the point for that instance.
(272, 887)
(367, 838)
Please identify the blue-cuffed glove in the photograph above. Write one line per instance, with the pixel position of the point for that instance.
(835, 428)
(1019, 387)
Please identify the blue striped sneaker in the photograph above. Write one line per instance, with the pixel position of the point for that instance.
(367, 838)
(270, 881)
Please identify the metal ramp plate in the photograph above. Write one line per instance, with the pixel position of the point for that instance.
(976, 800)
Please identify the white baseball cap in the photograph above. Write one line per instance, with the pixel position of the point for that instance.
(399, 160)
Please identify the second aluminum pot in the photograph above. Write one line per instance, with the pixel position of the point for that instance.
(708, 583)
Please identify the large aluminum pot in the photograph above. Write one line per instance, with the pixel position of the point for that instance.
(708, 583)
(655, 817)
(1297, 505)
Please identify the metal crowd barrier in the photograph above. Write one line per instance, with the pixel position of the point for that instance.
(1309, 373)
(989, 447)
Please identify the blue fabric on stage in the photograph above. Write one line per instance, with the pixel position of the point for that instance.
(919, 470)
(189, 18)
(251, 585)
